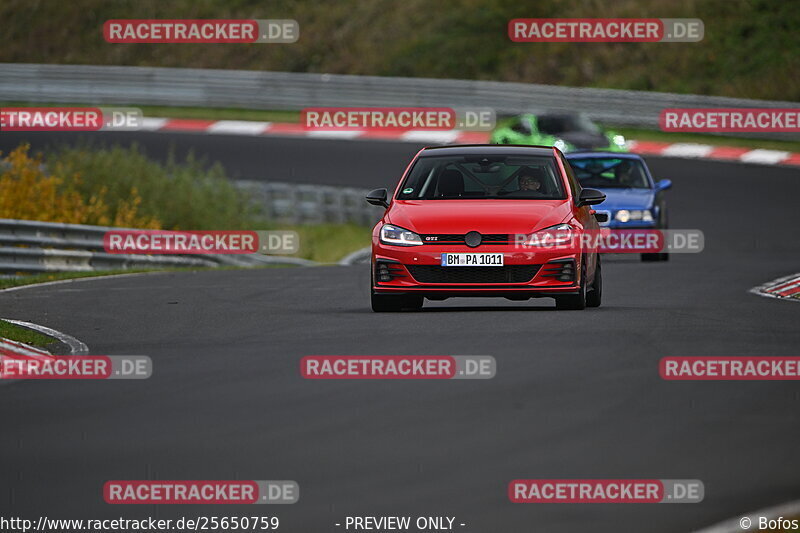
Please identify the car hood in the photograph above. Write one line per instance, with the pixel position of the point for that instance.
(627, 199)
(584, 139)
(483, 216)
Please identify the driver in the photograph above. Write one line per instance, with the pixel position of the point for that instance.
(624, 173)
(530, 180)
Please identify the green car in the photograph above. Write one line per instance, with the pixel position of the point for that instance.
(567, 132)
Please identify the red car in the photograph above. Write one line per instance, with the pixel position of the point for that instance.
(466, 221)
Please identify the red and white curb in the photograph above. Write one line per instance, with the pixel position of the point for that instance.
(281, 129)
(786, 288)
(76, 347)
(21, 352)
(718, 153)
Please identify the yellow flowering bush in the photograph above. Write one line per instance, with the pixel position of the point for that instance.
(29, 192)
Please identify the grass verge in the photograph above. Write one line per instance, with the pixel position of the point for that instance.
(20, 334)
(328, 243)
(7, 283)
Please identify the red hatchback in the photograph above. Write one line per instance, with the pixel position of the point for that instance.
(467, 221)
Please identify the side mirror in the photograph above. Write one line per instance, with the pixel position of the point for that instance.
(601, 218)
(663, 185)
(590, 197)
(378, 197)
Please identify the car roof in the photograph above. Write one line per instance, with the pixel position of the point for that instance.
(480, 149)
(615, 155)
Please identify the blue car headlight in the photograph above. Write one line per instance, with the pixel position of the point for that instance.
(634, 215)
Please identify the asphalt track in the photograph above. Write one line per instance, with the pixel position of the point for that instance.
(577, 394)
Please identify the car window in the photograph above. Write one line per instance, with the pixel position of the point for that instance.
(555, 124)
(482, 177)
(610, 172)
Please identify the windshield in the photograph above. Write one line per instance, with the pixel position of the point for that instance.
(554, 124)
(606, 173)
(481, 177)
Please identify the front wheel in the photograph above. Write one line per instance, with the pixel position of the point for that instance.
(660, 256)
(595, 295)
(574, 302)
(393, 303)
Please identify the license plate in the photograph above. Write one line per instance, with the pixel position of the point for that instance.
(477, 260)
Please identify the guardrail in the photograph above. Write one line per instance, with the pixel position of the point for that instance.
(114, 85)
(28, 246)
(311, 204)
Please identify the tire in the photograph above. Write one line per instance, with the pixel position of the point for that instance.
(574, 302)
(595, 295)
(413, 302)
(659, 256)
(386, 303)
(394, 303)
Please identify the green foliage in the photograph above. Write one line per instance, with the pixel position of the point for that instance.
(181, 195)
(750, 47)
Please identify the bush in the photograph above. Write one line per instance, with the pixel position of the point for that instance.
(183, 196)
(28, 192)
(120, 187)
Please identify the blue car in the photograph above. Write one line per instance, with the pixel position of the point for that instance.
(633, 198)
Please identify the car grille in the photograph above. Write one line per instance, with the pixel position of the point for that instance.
(480, 275)
(455, 238)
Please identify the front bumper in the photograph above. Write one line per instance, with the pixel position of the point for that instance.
(525, 274)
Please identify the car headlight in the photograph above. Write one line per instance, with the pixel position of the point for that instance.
(625, 215)
(553, 236)
(398, 236)
(619, 140)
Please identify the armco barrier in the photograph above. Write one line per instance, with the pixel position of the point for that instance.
(28, 246)
(113, 85)
(310, 204)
